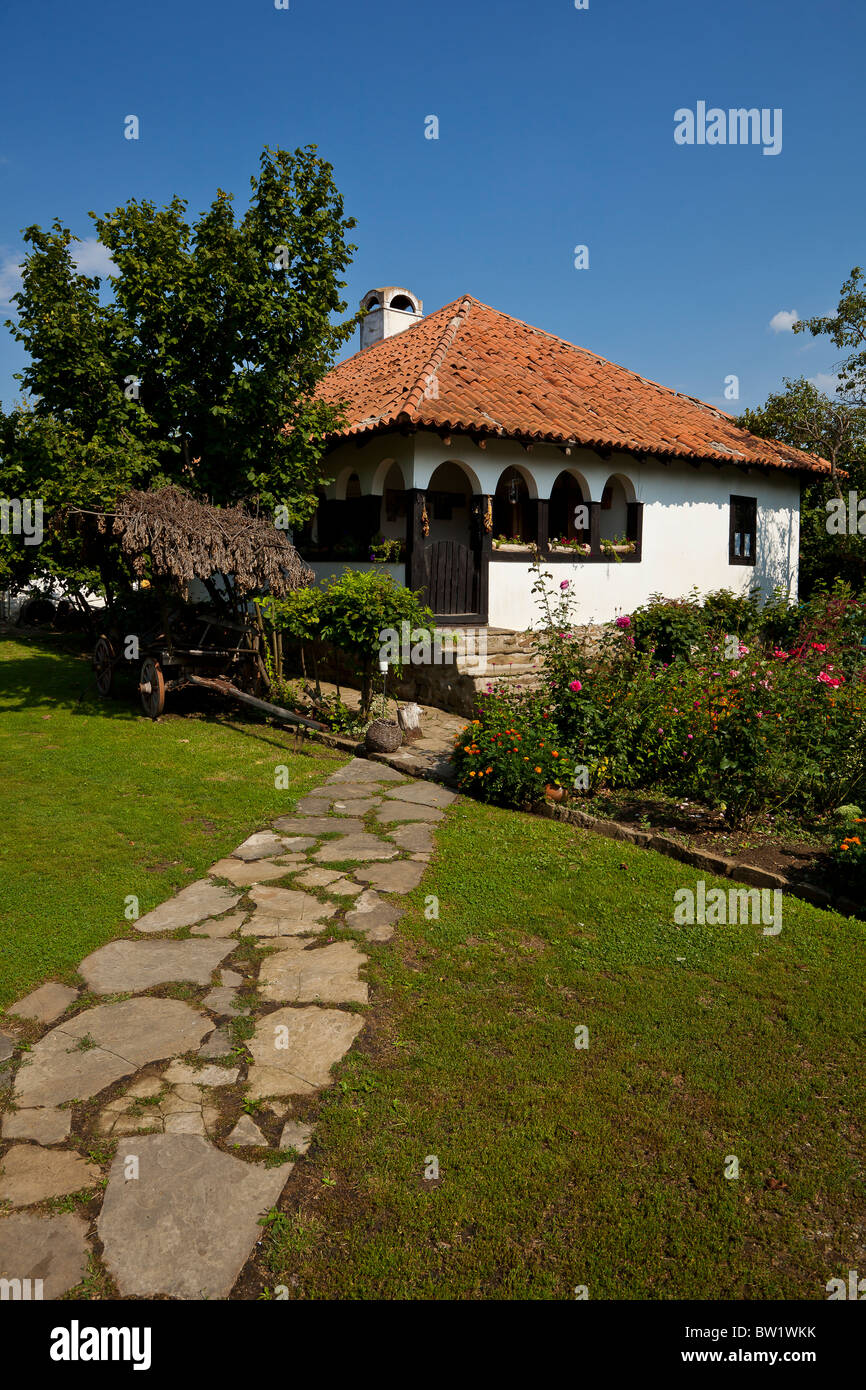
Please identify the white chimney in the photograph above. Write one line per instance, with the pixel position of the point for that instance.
(390, 310)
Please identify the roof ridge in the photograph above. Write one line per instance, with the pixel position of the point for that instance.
(417, 391)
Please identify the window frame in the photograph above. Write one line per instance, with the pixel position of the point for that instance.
(737, 504)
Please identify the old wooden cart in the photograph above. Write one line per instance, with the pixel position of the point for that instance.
(151, 551)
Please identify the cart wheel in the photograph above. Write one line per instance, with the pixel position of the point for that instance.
(152, 687)
(104, 657)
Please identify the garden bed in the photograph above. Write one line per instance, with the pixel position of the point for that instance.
(801, 854)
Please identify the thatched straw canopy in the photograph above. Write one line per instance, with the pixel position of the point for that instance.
(186, 539)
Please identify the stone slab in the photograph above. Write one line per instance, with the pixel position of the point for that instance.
(46, 1003)
(315, 806)
(124, 966)
(186, 1227)
(374, 916)
(363, 770)
(297, 1136)
(300, 975)
(7, 1047)
(44, 1126)
(242, 875)
(218, 928)
(422, 794)
(414, 836)
(318, 878)
(399, 877)
(405, 811)
(262, 845)
(184, 1122)
(127, 1036)
(31, 1174)
(188, 907)
(182, 1074)
(319, 825)
(222, 1001)
(355, 848)
(344, 888)
(51, 1248)
(294, 1049)
(219, 1044)
(286, 912)
(296, 845)
(247, 1132)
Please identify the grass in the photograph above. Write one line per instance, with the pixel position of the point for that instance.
(559, 1166)
(101, 803)
(601, 1167)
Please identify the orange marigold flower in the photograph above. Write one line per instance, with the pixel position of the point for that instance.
(854, 839)
(488, 769)
(538, 769)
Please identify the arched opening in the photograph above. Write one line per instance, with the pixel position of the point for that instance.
(569, 510)
(449, 497)
(404, 303)
(390, 542)
(513, 511)
(613, 524)
(308, 538)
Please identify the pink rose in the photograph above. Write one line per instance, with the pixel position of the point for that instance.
(575, 685)
(564, 584)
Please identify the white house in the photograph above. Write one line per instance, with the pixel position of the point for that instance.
(467, 426)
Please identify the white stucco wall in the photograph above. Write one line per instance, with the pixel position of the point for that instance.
(686, 519)
(686, 522)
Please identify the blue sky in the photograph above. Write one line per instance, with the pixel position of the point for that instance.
(555, 129)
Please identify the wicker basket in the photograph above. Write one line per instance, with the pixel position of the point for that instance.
(383, 736)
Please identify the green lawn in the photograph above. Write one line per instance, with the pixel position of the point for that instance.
(559, 1167)
(99, 803)
(601, 1167)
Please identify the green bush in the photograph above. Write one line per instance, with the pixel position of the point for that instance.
(667, 628)
(511, 752)
(352, 612)
(849, 850)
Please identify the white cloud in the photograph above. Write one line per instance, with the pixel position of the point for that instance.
(784, 321)
(828, 382)
(10, 279)
(92, 258)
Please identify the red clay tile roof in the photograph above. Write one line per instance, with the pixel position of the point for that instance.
(499, 376)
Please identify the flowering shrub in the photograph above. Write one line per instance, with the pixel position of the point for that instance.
(511, 752)
(779, 724)
(849, 850)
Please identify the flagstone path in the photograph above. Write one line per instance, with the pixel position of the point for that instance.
(166, 1079)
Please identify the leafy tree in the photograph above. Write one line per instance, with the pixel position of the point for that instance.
(847, 328)
(351, 612)
(805, 417)
(200, 368)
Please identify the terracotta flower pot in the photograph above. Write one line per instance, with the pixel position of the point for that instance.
(554, 793)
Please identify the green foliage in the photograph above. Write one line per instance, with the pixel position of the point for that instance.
(668, 628)
(724, 612)
(227, 327)
(511, 752)
(835, 430)
(847, 329)
(352, 613)
(849, 850)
